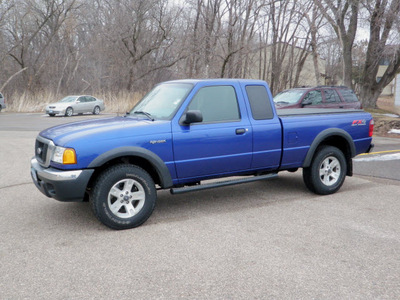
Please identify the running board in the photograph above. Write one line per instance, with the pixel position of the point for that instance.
(221, 184)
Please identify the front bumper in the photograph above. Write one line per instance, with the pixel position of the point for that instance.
(61, 185)
(55, 111)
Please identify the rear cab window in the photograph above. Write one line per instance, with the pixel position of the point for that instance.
(260, 103)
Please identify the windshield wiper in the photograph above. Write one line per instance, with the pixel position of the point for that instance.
(144, 113)
(282, 102)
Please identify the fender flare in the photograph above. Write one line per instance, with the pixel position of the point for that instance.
(330, 132)
(157, 163)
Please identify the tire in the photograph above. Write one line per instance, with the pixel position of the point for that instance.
(327, 171)
(124, 196)
(1, 108)
(69, 112)
(96, 110)
(52, 115)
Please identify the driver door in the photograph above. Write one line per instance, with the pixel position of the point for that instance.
(220, 144)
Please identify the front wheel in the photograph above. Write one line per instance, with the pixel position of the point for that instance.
(124, 196)
(327, 171)
(69, 112)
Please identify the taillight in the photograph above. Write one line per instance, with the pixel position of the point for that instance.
(371, 127)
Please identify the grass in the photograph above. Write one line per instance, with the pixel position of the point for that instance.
(28, 102)
(378, 111)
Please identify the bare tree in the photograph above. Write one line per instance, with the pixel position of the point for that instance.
(343, 17)
(315, 22)
(286, 46)
(30, 33)
(383, 45)
(67, 46)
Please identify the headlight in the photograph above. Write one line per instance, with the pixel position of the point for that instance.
(66, 156)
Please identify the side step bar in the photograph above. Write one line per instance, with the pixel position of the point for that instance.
(220, 184)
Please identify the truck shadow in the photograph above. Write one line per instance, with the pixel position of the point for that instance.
(177, 208)
(288, 187)
(225, 200)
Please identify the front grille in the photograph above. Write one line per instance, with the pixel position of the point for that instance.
(43, 151)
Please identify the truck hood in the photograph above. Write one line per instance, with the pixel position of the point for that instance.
(63, 135)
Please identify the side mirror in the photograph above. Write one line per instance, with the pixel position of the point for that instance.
(78, 101)
(192, 116)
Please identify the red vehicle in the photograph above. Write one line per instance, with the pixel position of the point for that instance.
(318, 97)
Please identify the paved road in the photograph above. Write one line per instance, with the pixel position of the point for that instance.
(262, 240)
(37, 122)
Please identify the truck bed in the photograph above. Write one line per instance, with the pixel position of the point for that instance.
(301, 127)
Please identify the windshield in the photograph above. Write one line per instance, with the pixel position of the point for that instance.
(68, 99)
(289, 96)
(162, 101)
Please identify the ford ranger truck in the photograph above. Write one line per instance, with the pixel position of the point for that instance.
(185, 132)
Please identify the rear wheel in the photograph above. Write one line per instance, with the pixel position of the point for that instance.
(69, 112)
(124, 196)
(96, 110)
(327, 171)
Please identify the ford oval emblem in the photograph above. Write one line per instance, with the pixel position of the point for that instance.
(39, 151)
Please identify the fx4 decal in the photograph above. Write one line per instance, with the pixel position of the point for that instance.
(359, 123)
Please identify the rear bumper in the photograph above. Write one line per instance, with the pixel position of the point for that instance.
(61, 185)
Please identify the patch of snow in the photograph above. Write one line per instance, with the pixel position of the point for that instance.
(395, 156)
(397, 131)
(389, 115)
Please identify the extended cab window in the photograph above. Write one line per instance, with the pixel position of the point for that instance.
(259, 102)
(216, 104)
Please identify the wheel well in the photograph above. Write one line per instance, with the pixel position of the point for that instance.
(133, 160)
(343, 145)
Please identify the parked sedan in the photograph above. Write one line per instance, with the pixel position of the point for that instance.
(75, 105)
(2, 102)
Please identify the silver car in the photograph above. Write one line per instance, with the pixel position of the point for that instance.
(75, 105)
(2, 102)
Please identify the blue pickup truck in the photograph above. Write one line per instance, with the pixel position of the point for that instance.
(185, 132)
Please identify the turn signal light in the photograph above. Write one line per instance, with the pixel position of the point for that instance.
(69, 157)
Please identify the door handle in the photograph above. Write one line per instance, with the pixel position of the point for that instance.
(241, 131)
